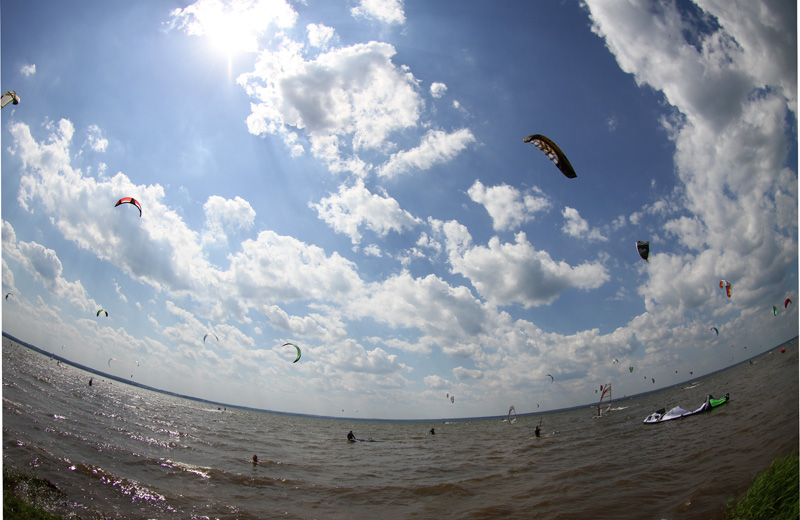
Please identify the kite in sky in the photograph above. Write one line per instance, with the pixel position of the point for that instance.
(727, 285)
(553, 152)
(644, 249)
(130, 200)
(298, 351)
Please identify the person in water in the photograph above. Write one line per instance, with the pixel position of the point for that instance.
(255, 460)
(432, 432)
(90, 381)
(350, 436)
(537, 431)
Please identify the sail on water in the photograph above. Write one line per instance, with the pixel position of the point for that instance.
(605, 401)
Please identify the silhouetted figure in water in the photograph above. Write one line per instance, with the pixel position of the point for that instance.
(255, 460)
(537, 431)
(90, 381)
(350, 436)
(432, 432)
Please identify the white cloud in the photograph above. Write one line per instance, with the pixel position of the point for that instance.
(507, 206)
(43, 264)
(385, 11)
(28, 70)
(576, 226)
(346, 100)
(733, 87)
(320, 35)
(224, 216)
(438, 89)
(355, 206)
(517, 273)
(95, 139)
(436, 147)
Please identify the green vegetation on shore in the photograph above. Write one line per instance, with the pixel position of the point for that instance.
(773, 495)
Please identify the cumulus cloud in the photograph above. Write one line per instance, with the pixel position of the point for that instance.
(508, 207)
(438, 89)
(28, 70)
(732, 81)
(224, 216)
(346, 100)
(95, 139)
(320, 35)
(576, 226)
(506, 273)
(354, 207)
(385, 11)
(44, 265)
(436, 147)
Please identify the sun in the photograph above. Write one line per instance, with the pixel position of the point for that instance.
(231, 34)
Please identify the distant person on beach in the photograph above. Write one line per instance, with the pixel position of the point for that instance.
(350, 436)
(432, 432)
(537, 431)
(255, 460)
(90, 381)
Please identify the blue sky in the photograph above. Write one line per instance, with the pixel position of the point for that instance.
(351, 177)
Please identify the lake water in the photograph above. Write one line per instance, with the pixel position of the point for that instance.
(128, 452)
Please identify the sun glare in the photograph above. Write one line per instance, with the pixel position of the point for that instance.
(231, 34)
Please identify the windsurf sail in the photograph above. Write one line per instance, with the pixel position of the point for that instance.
(512, 415)
(605, 401)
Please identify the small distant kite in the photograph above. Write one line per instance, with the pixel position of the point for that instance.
(553, 153)
(110, 360)
(102, 310)
(631, 369)
(726, 285)
(298, 351)
(787, 302)
(644, 249)
(130, 200)
(774, 310)
(715, 330)
(9, 97)
(8, 294)
(452, 399)
(210, 334)
(551, 378)
(615, 361)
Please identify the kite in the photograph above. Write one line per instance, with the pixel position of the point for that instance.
(727, 285)
(631, 369)
(553, 152)
(102, 310)
(210, 334)
(110, 360)
(551, 378)
(130, 200)
(644, 249)
(8, 294)
(715, 330)
(9, 97)
(615, 361)
(512, 415)
(298, 351)
(787, 302)
(452, 399)
(774, 310)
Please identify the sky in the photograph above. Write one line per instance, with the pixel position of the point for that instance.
(351, 177)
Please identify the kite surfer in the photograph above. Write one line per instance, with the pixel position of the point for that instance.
(90, 381)
(537, 431)
(255, 460)
(432, 432)
(351, 437)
